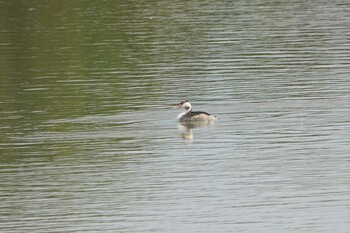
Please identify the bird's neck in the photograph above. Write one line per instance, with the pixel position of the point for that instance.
(184, 113)
(189, 110)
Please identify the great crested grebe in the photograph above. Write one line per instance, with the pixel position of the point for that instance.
(190, 116)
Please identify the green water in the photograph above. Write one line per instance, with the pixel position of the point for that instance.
(89, 140)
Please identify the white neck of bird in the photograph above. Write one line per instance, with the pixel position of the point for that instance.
(189, 109)
(184, 113)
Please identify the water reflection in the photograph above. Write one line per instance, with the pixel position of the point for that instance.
(188, 128)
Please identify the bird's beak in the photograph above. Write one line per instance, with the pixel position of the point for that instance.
(177, 106)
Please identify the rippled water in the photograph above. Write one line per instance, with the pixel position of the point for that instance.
(89, 141)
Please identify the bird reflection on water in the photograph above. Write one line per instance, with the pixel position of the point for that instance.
(187, 129)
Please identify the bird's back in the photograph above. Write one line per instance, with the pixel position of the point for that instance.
(198, 116)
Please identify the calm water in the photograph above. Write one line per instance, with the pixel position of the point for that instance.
(89, 142)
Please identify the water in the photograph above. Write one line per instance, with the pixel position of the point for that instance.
(89, 142)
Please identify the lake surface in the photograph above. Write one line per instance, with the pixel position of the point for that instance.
(89, 141)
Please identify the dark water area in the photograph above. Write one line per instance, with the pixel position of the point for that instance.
(89, 141)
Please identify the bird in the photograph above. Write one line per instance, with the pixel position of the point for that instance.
(190, 116)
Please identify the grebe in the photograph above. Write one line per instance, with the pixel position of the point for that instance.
(190, 116)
